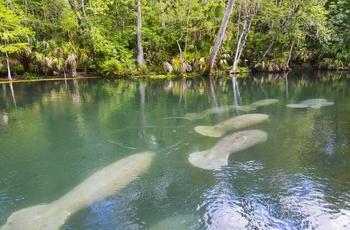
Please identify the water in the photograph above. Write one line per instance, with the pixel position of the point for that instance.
(54, 135)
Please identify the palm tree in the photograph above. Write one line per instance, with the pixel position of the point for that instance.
(25, 57)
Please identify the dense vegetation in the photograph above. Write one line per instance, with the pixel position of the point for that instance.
(122, 37)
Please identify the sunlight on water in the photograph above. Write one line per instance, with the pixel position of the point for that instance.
(54, 136)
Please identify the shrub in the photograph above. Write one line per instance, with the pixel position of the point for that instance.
(30, 76)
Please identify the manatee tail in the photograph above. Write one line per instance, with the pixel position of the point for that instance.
(210, 131)
(37, 217)
(205, 160)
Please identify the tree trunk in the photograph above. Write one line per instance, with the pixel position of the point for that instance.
(282, 29)
(267, 50)
(238, 50)
(162, 13)
(8, 67)
(73, 5)
(140, 58)
(220, 36)
(8, 64)
(83, 8)
(244, 36)
(181, 59)
(290, 53)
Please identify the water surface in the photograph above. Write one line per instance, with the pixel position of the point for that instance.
(54, 135)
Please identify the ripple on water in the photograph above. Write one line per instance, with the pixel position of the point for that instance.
(284, 201)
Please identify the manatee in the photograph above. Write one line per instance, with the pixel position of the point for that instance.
(255, 105)
(297, 106)
(98, 186)
(201, 115)
(234, 123)
(217, 156)
(321, 104)
(181, 221)
(311, 103)
(222, 109)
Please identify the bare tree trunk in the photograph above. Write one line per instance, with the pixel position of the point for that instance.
(162, 13)
(290, 53)
(181, 59)
(244, 35)
(73, 5)
(83, 8)
(238, 50)
(140, 58)
(8, 67)
(267, 50)
(187, 27)
(240, 43)
(282, 29)
(221, 35)
(8, 64)
(241, 46)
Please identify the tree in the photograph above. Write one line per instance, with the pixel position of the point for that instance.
(221, 35)
(11, 34)
(336, 52)
(250, 9)
(140, 58)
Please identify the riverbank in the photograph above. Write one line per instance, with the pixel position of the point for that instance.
(5, 80)
(80, 76)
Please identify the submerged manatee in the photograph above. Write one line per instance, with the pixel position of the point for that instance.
(298, 106)
(234, 123)
(180, 221)
(255, 105)
(311, 103)
(222, 109)
(201, 115)
(217, 156)
(98, 186)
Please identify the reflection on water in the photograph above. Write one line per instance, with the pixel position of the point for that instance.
(54, 135)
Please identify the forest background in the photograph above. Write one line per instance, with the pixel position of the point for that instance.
(117, 38)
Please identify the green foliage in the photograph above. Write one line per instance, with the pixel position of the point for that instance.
(44, 35)
(30, 76)
(142, 70)
(111, 68)
(12, 33)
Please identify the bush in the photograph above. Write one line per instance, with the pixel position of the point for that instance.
(111, 68)
(142, 70)
(30, 76)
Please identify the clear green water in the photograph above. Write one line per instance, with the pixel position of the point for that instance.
(53, 136)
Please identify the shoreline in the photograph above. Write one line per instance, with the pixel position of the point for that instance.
(5, 80)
